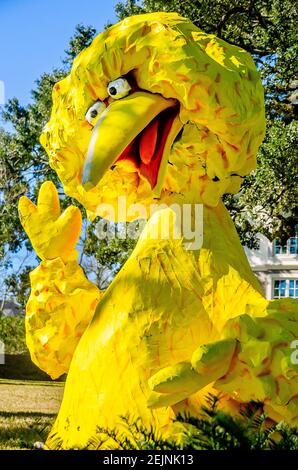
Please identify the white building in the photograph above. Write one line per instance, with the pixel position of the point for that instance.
(276, 266)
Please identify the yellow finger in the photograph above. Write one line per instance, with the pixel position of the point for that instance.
(69, 226)
(213, 360)
(175, 379)
(27, 209)
(48, 200)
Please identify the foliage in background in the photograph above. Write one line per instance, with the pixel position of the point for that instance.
(12, 333)
(273, 209)
(267, 201)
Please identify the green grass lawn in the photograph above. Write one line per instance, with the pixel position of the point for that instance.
(27, 411)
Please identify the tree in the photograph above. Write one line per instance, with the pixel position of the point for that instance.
(82, 38)
(24, 166)
(267, 29)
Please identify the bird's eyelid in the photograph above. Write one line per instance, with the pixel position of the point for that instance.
(118, 88)
(94, 111)
(97, 105)
(122, 78)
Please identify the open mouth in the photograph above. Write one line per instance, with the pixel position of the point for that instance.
(145, 152)
(136, 133)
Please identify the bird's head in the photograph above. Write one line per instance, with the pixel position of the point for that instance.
(154, 107)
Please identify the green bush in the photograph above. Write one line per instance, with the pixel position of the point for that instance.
(214, 430)
(12, 333)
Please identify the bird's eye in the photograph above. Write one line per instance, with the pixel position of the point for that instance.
(119, 88)
(94, 112)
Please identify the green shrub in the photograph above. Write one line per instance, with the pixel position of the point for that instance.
(214, 430)
(12, 333)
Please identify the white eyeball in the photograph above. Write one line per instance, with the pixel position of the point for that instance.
(94, 112)
(118, 88)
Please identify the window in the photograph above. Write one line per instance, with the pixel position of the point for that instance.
(285, 288)
(279, 249)
(293, 288)
(279, 288)
(293, 245)
(290, 248)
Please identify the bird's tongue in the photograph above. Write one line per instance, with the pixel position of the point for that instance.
(148, 142)
(145, 152)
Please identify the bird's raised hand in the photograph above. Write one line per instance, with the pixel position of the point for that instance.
(52, 234)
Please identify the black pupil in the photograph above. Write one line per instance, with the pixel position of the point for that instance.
(93, 113)
(112, 90)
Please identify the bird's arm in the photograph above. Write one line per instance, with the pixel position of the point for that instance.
(254, 361)
(62, 300)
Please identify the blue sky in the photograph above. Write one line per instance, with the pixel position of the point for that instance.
(33, 37)
(35, 33)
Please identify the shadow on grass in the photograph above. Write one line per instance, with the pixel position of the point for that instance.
(21, 430)
(26, 414)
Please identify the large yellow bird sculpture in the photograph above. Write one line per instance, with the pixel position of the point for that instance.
(155, 111)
